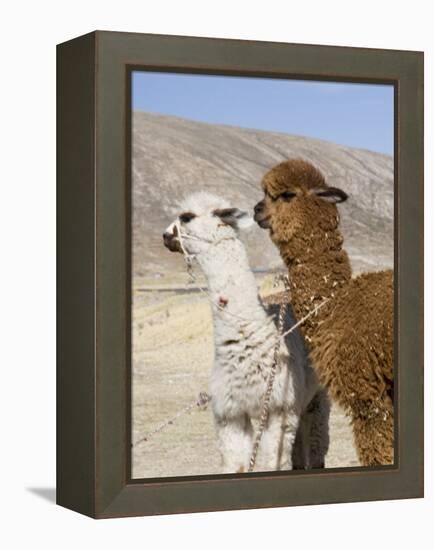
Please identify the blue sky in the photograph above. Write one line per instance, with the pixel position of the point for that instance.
(357, 115)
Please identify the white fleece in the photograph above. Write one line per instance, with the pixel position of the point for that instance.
(244, 340)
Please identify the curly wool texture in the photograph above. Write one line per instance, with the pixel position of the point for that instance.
(292, 175)
(351, 337)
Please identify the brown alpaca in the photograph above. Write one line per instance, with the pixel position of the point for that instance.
(351, 336)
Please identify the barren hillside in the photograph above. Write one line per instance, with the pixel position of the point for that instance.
(173, 157)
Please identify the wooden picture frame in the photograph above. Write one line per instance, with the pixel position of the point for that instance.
(94, 241)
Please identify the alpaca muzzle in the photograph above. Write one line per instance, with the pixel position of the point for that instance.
(170, 239)
(260, 215)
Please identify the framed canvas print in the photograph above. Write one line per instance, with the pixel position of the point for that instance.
(240, 274)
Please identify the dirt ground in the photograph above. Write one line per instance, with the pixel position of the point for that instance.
(172, 358)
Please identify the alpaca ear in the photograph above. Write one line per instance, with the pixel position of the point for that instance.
(331, 194)
(236, 218)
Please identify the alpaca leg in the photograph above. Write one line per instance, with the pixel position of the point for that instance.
(301, 450)
(374, 438)
(319, 410)
(275, 451)
(235, 442)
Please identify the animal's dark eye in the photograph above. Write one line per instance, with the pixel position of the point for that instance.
(287, 195)
(187, 217)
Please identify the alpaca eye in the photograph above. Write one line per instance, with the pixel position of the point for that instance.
(187, 217)
(287, 195)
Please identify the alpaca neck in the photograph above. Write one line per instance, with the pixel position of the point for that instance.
(232, 288)
(317, 269)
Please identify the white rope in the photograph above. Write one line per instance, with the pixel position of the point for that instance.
(265, 413)
(187, 256)
(201, 402)
(306, 317)
(189, 262)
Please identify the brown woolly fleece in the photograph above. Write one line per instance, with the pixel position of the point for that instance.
(351, 337)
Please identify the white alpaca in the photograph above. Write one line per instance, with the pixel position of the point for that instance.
(244, 339)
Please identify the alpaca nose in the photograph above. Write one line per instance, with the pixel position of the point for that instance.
(167, 237)
(170, 240)
(259, 207)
